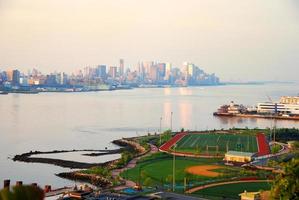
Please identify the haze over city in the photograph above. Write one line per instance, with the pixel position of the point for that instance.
(237, 40)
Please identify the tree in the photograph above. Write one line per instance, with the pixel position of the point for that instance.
(286, 184)
(26, 192)
(148, 182)
(275, 148)
(169, 179)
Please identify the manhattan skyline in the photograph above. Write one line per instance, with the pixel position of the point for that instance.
(237, 40)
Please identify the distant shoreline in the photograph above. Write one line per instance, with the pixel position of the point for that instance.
(33, 90)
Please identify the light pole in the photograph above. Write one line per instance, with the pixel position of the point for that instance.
(171, 120)
(160, 130)
(173, 170)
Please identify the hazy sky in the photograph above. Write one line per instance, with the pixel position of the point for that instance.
(236, 39)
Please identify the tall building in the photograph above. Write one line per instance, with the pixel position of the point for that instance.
(15, 77)
(167, 71)
(101, 71)
(161, 71)
(141, 71)
(121, 67)
(191, 70)
(62, 78)
(9, 74)
(147, 66)
(153, 73)
(112, 71)
(51, 80)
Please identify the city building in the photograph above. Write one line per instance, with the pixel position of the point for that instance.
(153, 73)
(15, 77)
(278, 108)
(289, 100)
(101, 72)
(121, 67)
(113, 71)
(147, 73)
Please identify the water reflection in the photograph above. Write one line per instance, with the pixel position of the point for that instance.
(233, 121)
(184, 91)
(167, 91)
(185, 114)
(166, 118)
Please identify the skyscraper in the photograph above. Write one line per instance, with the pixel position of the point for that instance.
(153, 73)
(15, 77)
(113, 71)
(9, 75)
(121, 67)
(161, 71)
(101, 71)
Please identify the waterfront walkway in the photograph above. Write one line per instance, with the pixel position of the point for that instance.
(130, 165)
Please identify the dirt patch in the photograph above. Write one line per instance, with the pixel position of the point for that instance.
(204, 170)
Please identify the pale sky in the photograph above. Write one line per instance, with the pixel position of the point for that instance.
(236, 39)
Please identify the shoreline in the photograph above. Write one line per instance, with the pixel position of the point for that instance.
(105, 90)
(127, 144)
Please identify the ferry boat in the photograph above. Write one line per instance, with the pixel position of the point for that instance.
(286, 108)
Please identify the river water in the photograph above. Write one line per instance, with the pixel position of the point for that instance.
(50, 121)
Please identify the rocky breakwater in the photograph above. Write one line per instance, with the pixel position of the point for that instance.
(27, 157)
(131, 145)
(98, 174)
(93, 179)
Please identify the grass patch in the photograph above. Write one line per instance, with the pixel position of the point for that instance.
(157, 169)
(197, 143)
(231, 191)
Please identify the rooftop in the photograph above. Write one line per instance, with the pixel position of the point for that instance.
(239, 153)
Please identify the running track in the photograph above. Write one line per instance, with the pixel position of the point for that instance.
(166, 146)
(263, 145)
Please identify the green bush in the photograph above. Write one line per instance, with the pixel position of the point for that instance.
(103, 171)
(286, 184)
(22, 193)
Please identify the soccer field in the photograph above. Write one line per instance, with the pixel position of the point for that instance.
(197, 143)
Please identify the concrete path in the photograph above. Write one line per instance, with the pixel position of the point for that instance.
(131, 165)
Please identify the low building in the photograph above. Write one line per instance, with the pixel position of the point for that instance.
(250, 195)
(238, 156)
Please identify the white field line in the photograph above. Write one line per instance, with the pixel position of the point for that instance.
(248, 143)
(186, 141)
(218, 139)
(195, 141)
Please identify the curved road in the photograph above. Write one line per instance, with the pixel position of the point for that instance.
(131, 165)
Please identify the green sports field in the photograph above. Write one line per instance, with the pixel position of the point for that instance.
(231, 191)
(158, 168)
(197, 143)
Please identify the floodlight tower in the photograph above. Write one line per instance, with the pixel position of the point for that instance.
(173, 169)
(160, 130)
(171, 120)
